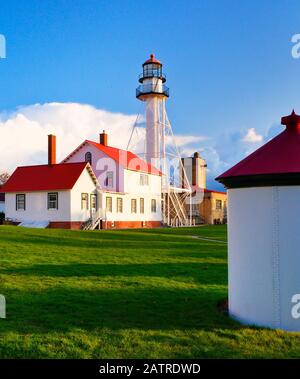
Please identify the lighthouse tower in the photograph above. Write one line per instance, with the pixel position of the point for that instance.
(152, 139)
(154, 93)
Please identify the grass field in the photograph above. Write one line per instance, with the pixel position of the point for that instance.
(123, 294)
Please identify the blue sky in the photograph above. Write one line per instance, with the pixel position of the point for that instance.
(228, 63)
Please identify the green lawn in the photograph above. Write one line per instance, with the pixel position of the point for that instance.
(123, 294)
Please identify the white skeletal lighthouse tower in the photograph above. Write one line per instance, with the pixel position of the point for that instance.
(153, 140)
(154, 93)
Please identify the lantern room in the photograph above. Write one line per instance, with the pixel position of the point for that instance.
(152, 68)
(152, 79)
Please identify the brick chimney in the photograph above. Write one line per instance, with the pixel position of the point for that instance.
(103, 138)
(51, 149)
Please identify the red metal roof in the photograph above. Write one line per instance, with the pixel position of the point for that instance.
(125, 158)
(213, 191)
(44, 177)
(152, 59)
(206, 190)
(281, 155)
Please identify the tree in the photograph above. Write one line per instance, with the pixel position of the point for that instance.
(4, 176)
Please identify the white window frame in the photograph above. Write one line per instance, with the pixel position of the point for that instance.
(50, 206)
(18, 196)
(219, 208)
(85, 201)
(144, 180)
(153, 205)
(108, 201)
(133, 206)
(109, 181)
(142, 205)
(119, 205)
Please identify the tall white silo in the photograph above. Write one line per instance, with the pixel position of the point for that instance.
(264, 232)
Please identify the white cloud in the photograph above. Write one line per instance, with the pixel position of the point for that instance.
(228, 149)
(252, 137)
(183, 140)
(23, 134)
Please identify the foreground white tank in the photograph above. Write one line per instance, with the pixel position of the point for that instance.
(264, 232)
(264, 256)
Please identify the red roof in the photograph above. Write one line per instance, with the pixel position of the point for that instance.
(213, 191)
(206, 190)
(125, 158)
(44, 177)
(152, 59)
(281, 155)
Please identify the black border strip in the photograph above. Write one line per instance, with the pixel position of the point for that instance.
(262, 180)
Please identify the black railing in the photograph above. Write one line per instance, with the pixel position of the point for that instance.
(152, 74)
(152, 88)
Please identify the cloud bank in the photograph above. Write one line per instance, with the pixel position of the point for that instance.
(23, 136)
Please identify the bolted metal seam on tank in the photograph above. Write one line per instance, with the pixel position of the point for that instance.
(276, 260)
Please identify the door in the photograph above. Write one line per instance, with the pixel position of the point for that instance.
(93, 205)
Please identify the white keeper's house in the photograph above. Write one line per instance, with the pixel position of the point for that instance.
(96, 186)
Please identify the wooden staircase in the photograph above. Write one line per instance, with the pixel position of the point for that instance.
(92, 223)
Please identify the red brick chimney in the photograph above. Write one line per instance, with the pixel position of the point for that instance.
(51, 149)
(103, 138)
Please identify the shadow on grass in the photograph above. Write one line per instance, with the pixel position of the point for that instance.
(99, 240)
(197, 271)
(103, 243)
(64, 309)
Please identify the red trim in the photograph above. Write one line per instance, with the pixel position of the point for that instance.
(131, 224)
(65, 225)
(125, 158)
(76, 225)
(45, 177)
(152, 59)
(206, 190)
(213, 191)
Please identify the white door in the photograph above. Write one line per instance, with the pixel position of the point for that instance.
(93, 204)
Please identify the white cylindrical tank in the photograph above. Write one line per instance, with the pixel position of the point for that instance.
(264, 232)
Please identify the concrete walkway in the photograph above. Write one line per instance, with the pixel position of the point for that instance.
(208, 239)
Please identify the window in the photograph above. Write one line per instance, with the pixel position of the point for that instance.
(93, 202)
(109, 181)
(20, 202)
(119, 205)
(88, 157)
(144, 180)
(84, 201)
(218, 204)
(53, 200)
(109, 204)
(142, 205)
(153, 206)
(133, 206)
